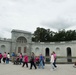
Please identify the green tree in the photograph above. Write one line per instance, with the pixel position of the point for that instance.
(60, 35)
(45, 35)
(42, 35)
(70, 35)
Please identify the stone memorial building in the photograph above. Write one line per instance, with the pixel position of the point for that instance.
(21, 42)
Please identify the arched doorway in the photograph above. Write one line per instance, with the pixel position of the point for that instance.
(21, 45)
(69, 54)
(47, 52)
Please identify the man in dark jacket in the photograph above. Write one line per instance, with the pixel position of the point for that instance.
(32, 61)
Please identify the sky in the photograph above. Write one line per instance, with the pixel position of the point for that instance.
(27, 15)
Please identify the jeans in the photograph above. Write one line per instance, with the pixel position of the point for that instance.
(20, 61)
(7, 61)
(52, 66)
(41, 64)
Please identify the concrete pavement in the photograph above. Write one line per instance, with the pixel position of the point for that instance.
(10, 69)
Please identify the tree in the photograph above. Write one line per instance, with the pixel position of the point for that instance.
(70, 35)
(60, 35)
(42, 35)
(45, 35)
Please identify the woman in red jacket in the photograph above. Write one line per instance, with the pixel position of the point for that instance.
(25, 61)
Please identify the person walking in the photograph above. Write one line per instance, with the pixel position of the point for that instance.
(4, 57)
(52, 61)
(13, 57)
(41, 60)
(32, 61)
(20, 58)
(25, 61)
(8, 58)
(55, 57)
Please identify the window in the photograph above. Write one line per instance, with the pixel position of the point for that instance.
(21, 40)
(24, 49)
(19, 49)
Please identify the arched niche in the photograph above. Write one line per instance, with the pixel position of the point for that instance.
(47, 52)
(37, 51)
(69, 54)
(2, 48)
(58, 51)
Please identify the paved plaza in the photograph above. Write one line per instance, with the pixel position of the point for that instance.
(10, 69)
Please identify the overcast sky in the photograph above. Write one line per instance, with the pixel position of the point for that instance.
(29, 14)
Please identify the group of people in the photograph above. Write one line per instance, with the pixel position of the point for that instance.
(40, 61)
(24, 59)
(5, 57)
(34, 61)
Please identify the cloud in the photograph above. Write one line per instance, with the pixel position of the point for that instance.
(58, 0)
(58, 24)
(29, 14)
